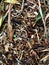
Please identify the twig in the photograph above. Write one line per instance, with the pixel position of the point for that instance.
(29, 44)
(44, 22)
(37, 35)
(46, 16)
(9, 11)
(44, 59)
(9, 15)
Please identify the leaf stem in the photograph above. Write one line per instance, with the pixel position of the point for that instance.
(9, 14)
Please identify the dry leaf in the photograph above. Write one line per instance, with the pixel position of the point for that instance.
(10, 32)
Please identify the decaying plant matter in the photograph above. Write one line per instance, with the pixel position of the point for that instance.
(24, 32)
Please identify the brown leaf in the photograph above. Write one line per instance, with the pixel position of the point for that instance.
(10, 32)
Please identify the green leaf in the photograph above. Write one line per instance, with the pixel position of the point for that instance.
(39, 16)
(15, 36)
(47, 2)
(2, 19)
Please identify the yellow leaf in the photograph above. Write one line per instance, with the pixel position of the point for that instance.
(0, 21)
(12, 1)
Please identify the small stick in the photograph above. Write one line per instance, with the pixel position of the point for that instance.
(9, 15)
(44, 22)
(29, 44)
(37, 35)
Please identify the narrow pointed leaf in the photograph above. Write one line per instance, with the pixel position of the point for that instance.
(2, 19)
(39, 16)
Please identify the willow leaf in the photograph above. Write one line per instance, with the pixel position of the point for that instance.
(2, 19)
(39, 16)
